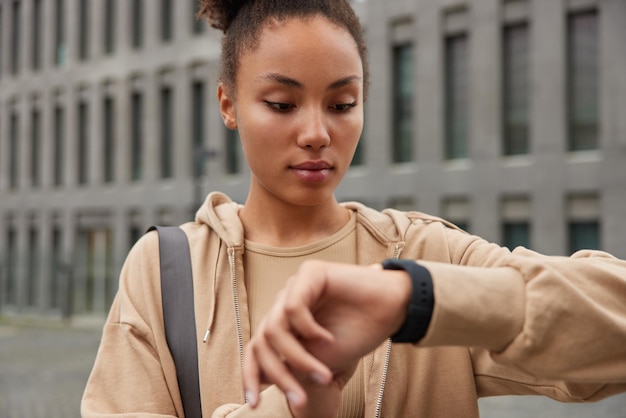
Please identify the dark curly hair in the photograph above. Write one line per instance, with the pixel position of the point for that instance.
(243, 20)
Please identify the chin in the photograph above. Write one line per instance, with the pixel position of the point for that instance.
(310, 198)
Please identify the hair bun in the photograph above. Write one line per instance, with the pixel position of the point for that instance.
(220, 13)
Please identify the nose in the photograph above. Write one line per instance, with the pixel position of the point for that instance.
(314, 133)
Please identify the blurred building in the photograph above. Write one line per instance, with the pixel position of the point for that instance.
(506, 117)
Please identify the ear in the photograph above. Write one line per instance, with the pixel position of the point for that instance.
(227, 107)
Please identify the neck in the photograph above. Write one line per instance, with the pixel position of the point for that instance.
(281, 224)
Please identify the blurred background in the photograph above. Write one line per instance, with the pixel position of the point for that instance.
(507, 117)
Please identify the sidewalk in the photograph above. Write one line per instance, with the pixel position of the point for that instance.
(541, 407)
(44, 367)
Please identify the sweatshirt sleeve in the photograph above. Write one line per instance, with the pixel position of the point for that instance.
(530, 316)
(133, 374)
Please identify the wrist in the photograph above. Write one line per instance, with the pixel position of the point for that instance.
(419, 308)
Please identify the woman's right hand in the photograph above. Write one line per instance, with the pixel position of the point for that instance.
(327, 317)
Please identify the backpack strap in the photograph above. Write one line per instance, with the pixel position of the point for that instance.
(178, 314)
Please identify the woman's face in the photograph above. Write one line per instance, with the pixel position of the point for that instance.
(298, 106)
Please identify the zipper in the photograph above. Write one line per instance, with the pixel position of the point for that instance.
(397, 250)
(233, 274)
(379, 402)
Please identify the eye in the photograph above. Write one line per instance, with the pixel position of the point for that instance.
(343, 107)
(280, 107)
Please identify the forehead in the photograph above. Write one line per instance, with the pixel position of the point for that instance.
(311, 44)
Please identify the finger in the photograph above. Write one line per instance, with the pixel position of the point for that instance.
(270, 363)
(284, 330)
(296, 356)
(302, 322)
(303, 292)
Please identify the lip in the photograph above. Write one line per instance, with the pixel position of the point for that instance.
(312, 165)
(312, 171)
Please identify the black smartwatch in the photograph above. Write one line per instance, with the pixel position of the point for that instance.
(422, 301)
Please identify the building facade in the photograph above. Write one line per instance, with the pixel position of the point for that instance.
(506, 117)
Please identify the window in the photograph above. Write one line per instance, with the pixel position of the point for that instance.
(167, 133)
(109, 26)
(32, 266)
(83, 28)
(515, 212)
(136, 136)
(108, 139)
(516, 234)
(167, 21)
(36, 35)
(83, 261)
(583, 225)
(59, 42)
(403, 103)
(134, 233)
(15, 37)
(83, 142)
(456, 96)
(14, 151)
(515, 89)
(583, 75)
(57, 268)
(35, 146)
(197, 128)
(12, 262)
(232, 151)
(584, 235)
(106, 266)
(136, 22)
(197, 24)
(59, 145)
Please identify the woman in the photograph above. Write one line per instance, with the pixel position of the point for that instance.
(293, 82)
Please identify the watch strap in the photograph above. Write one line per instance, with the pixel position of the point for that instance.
(420, 308)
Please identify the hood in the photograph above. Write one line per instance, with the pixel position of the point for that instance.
(221, 214)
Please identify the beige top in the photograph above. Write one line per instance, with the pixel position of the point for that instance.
(268, 268)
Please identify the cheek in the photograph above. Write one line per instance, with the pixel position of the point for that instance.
(256, 134)
(351, 131)
(260, 144)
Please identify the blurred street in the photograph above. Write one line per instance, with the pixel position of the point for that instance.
(43, 370)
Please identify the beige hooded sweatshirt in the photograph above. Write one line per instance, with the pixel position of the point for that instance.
(504, 323)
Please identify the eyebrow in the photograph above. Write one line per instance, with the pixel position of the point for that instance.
(343, 82)
(290, 82)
